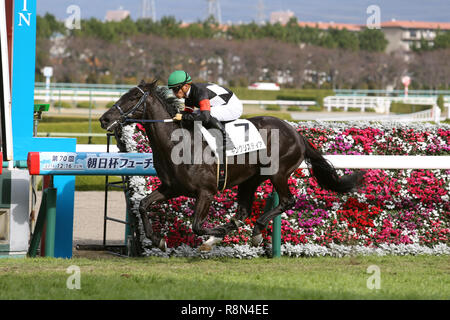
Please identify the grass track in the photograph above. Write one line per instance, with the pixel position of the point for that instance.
(421, 277)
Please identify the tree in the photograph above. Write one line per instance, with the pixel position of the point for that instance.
(124, 28)
(372, 40)
(431, 68)
(423, 45)
(345, 39)
(128, 51)
(47, 26)
(442, 40)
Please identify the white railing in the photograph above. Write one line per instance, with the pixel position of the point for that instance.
(447, 105)
(345, 161)
(387, 162)
(101, 95)
(282, 103)
(383, 105)
(433, 114)
(379, 104)
(96, 148)
(76, 95)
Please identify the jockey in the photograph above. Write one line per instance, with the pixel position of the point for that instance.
(215, 103)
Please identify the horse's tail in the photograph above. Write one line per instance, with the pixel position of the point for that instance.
(326, 174)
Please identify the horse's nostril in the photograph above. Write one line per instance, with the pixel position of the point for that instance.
(104, 121)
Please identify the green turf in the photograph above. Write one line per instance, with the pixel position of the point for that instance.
(54, 125)
(408, 277)
(94, 183)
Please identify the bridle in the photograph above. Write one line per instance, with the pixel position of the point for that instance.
(124, 116)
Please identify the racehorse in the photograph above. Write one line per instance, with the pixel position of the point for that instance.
(154, 108)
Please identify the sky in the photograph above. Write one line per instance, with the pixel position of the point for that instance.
(235, 11)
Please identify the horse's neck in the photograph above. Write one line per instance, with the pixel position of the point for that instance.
(159, 133)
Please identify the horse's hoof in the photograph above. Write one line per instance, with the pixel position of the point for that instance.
(257, 240)
(205, 248)
(162, 245)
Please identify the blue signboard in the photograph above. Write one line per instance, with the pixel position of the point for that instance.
(22, 112)
(90, 163)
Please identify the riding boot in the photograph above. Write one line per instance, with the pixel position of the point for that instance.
(225, 138)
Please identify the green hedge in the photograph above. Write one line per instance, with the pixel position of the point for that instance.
(273, 107)
(296, 98)
(85, 105)
(63, 104)
(314, 108)
(294, 109)
(399, 107)
(56, 119)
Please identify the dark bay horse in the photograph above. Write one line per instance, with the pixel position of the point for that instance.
(148, 102)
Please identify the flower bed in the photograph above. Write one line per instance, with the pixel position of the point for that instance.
(396, 211)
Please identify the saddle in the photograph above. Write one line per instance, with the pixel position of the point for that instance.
(241, 137)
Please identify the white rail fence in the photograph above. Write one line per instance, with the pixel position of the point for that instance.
(345, 161)
(383, 105)
(73, 95)
(387, 162)
(433, 114)
(93, 95)
(110, 96)
(380, 104)
(282, 103)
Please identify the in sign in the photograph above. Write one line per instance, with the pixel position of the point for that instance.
(406, 80)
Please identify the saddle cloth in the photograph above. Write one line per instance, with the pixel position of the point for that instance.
(243, 134)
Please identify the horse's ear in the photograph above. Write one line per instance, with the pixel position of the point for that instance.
(142, 83)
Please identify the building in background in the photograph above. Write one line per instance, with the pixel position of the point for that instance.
(331, 25)
(117, 15)
(403, 35)
(281, 17)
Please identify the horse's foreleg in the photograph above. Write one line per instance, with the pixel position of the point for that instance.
(202, 205)
(201, 209)
(144, 206)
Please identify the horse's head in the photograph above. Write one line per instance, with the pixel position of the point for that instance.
(136, 103)
(131, 105)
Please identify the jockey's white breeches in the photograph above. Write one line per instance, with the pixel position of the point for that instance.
(227, 112)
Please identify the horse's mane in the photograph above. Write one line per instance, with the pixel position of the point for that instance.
(170, 102)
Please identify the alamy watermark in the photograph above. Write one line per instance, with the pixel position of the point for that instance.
(374, 281)
(74, 20)
(74, 280)
(189, 149)
(374, 19)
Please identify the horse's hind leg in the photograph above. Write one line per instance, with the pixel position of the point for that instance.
(286, 201)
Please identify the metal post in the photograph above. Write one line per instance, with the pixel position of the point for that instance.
(34, 244)
(128, 233)
(276, 229)
(50, 223)
(105, 212)
(33, 184)
(90, 117)
(272, 202)
(59, 103)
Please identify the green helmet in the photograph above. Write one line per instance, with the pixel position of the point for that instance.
(177, 78)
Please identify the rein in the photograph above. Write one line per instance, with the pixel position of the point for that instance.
(124, 115)
(138, 120)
